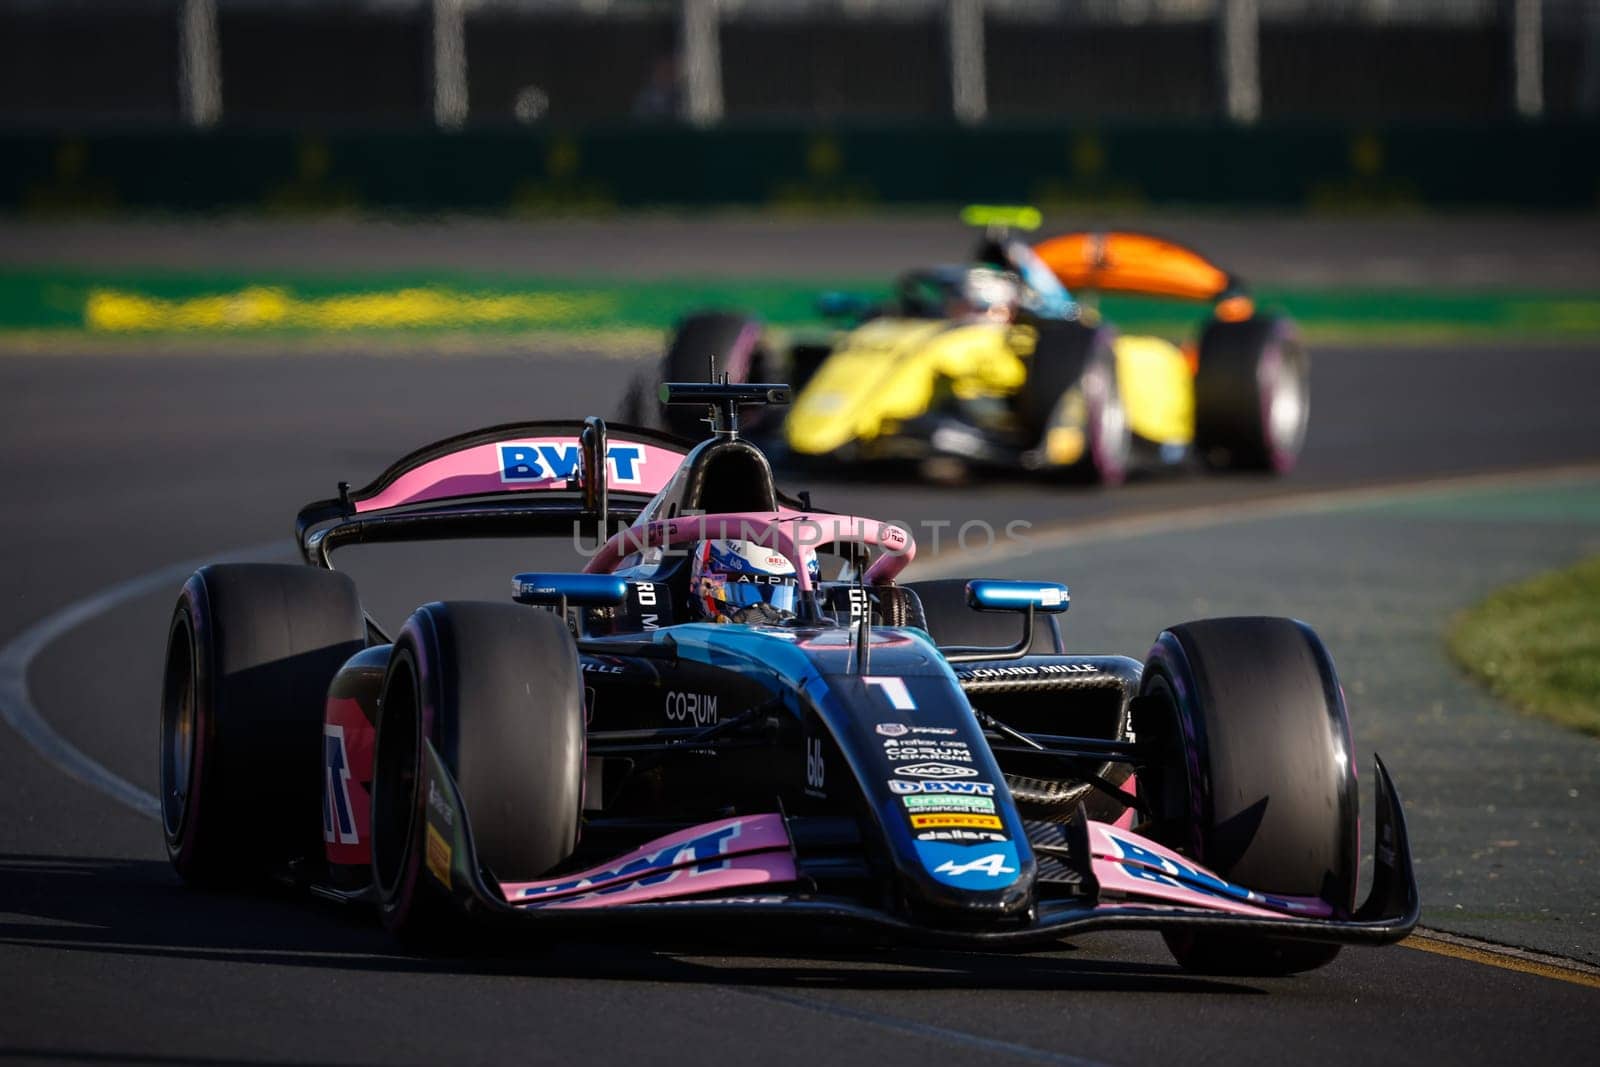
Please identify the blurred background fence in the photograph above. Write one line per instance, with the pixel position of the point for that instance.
(567, 104)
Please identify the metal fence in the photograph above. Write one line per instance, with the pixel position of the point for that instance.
(305, 64)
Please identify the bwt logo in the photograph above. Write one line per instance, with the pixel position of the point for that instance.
(653, 868)
(558, 462)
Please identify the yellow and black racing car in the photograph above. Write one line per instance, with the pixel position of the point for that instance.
(994, 363)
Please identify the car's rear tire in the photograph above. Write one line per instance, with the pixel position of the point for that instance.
(1072, 392)
(1257, 781)
(951, 622)
(1252, 395)
(496, 690)
(250, 652)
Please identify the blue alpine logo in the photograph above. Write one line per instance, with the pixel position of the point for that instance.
(985, 866)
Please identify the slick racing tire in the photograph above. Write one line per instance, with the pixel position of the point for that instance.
(495, 690)
(734, 340)
(1071, 404)
(1252, 395)
(951, 622)
(250, 652)
(1257, 778)
(805, 360)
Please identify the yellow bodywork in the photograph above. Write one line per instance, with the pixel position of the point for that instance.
(888, 371)
(1157, 389)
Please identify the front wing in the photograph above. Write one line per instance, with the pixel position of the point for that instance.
(746, 870)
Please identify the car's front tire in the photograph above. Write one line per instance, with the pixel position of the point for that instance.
(1257, 781)
(495, 690)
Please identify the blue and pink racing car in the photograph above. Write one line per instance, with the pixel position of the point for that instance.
(776, 731)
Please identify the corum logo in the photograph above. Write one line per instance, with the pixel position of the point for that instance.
(698, 708)
(936, 770)
(933, 752)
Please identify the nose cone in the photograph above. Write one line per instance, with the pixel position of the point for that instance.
(864, 381)
(820, 421)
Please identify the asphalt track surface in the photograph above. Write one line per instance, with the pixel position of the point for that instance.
(1554, 253)
(114, 468)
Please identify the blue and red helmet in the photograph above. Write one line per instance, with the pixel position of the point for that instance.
(742, 581)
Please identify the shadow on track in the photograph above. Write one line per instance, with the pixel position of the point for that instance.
(139, 908)
(46, 1055)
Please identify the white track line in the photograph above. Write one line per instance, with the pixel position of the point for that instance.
(16, 707)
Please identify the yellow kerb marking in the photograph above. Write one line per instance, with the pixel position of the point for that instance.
(265, 307)
(1504, 960)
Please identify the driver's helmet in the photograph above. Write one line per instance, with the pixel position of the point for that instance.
(741, 581)
(984, 293)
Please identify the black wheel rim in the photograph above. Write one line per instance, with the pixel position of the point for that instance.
(1112, 437)
(1287, 403)
(397, 768)
(1164, 782)
(179, 727)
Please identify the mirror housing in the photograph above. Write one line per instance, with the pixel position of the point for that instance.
(986, 594)
(1027, 598)
(561, 590)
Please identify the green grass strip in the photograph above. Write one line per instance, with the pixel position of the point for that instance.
(1537, 645)
(131, 303)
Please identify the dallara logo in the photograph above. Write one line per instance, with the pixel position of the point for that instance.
(936, 770)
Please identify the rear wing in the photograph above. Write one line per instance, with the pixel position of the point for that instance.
(1120, 262)
(539, 479)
